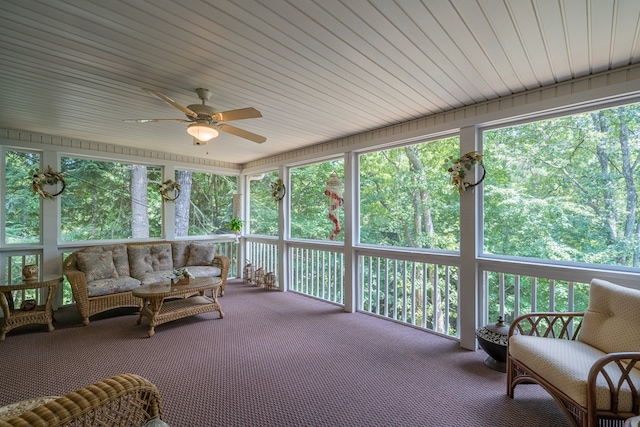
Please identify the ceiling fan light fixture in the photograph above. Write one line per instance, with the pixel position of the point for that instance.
(202, 131)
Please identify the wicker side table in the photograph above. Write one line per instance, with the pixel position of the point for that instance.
(42, 314)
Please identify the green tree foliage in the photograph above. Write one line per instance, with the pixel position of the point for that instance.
(97, 203)
(263, 209)
(22, 207)
(406, 199)
(566, 189)
(211, 203)
(309, 204)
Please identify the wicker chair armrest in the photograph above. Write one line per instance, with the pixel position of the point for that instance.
(548, 325)
(78, 282)
(124, 400)
(222, 262)
(623, 364)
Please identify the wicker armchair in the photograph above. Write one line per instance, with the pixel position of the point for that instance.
(125, 400)
(588, 362)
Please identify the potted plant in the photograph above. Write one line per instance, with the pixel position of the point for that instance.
(235, 225)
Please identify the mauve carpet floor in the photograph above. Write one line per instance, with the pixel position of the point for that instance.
(276, 359)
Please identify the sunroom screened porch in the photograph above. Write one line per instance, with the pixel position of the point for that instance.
(469, 288)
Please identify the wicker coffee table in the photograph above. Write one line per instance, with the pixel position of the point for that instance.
(164, 302)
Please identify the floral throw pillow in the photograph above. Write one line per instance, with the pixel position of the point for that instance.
(97, 265)
(201, 254)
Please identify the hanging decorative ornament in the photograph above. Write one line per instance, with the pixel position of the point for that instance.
(169, 190)
(40, 179)
(334, 191)
(463, 169)
(278, 190)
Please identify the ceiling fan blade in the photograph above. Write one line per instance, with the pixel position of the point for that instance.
(154, 120)
(242, 133)
(242, 113)
(171, 102)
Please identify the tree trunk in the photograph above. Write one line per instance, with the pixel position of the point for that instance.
(630, 226)
(600, 123)
(423, 224)
(139, 202)
(183, 203)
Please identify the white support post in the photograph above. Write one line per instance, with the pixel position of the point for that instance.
(469, 240)
(243, 213)
(169, 208)
(51, 209)
(283, 234)
(350, 207)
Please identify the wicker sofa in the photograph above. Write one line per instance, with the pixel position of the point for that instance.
(102, 277)
(124, 400)
(589, 362)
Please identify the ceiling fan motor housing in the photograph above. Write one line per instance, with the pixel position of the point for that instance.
(204, 112)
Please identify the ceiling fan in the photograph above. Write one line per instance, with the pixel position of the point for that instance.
(205, 121)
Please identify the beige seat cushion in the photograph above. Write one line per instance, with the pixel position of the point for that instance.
(612, 321)
(566, 364)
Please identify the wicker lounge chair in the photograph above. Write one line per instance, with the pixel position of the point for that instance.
(124, 400)
(588, 362)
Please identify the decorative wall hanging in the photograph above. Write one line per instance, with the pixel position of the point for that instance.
(334, 191)
(40, 179)
(463, 168)
(278, 190)
(167, 187)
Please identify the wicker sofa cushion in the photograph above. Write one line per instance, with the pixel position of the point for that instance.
(152, 277)
(204, 271)
(612, 321)
(111, 286)
(566, 364)
(180, 251)
(97, 265)
(201, 254)
(120, 256)
(148, 258)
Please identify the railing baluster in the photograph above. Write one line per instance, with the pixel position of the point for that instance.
(325, 292)
(340, 279)
(447, 297)
(413, 293)
(386, 284)
(424, 296)
(501, 293)
(516, 296)
(395, 289)
(435, 300)
(405, 298)
(369, 281)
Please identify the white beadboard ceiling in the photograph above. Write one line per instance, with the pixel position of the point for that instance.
(318, 70)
